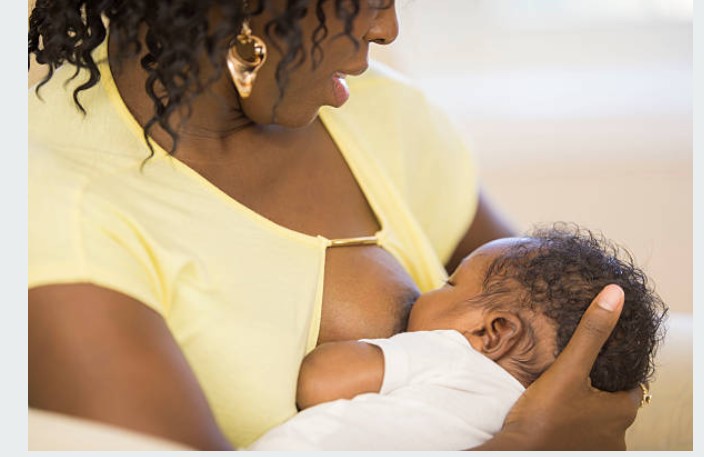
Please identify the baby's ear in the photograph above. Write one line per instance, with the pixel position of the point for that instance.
(496, 334)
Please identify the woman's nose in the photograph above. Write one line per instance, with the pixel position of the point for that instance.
(384, 28)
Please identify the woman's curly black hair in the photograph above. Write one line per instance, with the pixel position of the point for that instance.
(557, 271)
(178, 33)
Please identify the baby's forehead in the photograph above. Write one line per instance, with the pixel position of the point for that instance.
(496, 248)
(475, 266)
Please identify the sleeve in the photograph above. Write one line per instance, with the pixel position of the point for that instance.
(396, 369)
(77, 236)
(414, 358)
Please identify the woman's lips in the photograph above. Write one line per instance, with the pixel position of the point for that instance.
(340, 89)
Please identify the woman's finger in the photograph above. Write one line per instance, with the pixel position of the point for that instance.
(592, 332)
(623, 406)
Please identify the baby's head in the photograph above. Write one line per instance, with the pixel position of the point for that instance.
(518, 301)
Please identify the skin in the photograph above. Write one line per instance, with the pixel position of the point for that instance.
(122, 366)
(344, 369)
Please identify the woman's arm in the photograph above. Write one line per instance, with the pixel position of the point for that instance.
(344, 369)
(99, 354)
(561, 410)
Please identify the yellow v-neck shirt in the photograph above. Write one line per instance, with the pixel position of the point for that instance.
(241, 294)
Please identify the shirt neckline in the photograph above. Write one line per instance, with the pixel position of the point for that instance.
(348, 151)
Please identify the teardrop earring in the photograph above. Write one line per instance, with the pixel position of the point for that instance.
(245, 57)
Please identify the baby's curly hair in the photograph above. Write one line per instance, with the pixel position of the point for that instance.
(178, 33)
(558, 271)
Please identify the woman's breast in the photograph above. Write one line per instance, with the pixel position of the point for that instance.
(366, 294)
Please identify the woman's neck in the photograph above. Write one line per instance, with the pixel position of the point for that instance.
(213, 118)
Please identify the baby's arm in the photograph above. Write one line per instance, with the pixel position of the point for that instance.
(343, 369)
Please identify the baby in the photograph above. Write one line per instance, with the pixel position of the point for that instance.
(472, 347)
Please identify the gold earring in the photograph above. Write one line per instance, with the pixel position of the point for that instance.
(646, 397)
(245, 57)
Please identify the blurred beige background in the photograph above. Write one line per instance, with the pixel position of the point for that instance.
(578, 110)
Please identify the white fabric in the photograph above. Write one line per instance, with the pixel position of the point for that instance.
(438, 393)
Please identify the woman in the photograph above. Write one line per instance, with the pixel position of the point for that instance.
(205, 223)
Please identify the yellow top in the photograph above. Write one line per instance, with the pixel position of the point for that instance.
(241, 294)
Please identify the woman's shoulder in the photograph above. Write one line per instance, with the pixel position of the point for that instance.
(382, 90)
(387, 104)
(80, 123)
(385, 76)
(71, 152)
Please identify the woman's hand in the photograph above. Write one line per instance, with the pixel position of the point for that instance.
(561, 410)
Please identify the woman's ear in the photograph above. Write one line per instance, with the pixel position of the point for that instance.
(496, 334)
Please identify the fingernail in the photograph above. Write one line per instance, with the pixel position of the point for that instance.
(610, 298)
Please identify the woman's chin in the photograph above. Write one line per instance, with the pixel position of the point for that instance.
(297, 122)
(281, 117)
